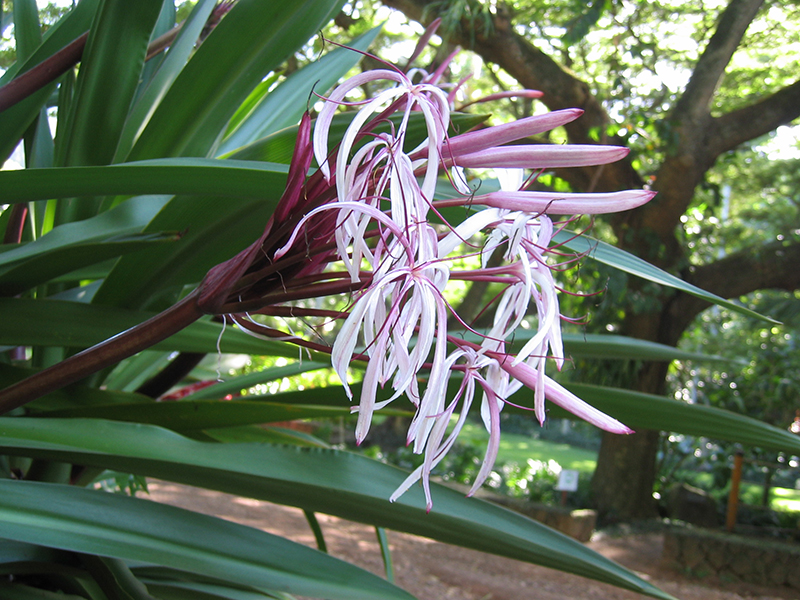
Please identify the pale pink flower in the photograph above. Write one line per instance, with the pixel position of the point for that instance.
(387, 244)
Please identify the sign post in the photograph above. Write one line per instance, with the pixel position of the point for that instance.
(567, 482)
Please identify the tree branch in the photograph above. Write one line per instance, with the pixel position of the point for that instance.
(771, 266)
(534, 69)
(696, 99)
(757, 119)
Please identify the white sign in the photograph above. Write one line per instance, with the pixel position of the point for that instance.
(567, 481)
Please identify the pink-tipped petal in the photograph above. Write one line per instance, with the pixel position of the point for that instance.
(543, 156)
(559, 395)
(498, 135)
(553, 203)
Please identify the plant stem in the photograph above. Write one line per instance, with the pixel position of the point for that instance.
(45, 72)
(102, 355)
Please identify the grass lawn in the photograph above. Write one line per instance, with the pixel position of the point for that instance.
(519, 448)
(785, 499)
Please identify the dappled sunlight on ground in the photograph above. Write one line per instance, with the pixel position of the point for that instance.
(434, 571)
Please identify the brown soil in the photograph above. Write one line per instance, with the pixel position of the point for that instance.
(434, 571)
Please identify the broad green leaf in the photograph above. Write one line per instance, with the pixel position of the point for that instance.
(194, 176)
(131, 529)
(180, 585)
(134, 371)
(279, 146)
(216, 229)
(386, 553)
(624, 261)
(31, 322)
(284, 106)
(253, 100)
(73, 396)
(111, 66)
(635, 409)
(47, 266)
(204, 414)
(592, 345)
(15, 120)
(114, 578)
(252, 40)
(326, 481)
(16, 552)
(26, 28)
(183, 590)
(647, 411)
(617, 346)
(41, 147)
(167, 72)
(20, 591)
(242, 382)
(268, 434)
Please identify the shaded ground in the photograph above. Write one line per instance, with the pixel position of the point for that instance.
(434, 571)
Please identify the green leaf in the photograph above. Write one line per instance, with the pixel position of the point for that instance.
(386, 553)
(279, 146)
(242, 382)
(327, 481)
(26, 28)
(268, 434)
(198, 176)
(127, 528)
(30, 322)
(114, 578)
(20, 591)
(181, 590)
(169, 69)
(284, 106)
(215, 230)
(180, 585)
(134, 371)
(15, 120)
(50, 265)
(614, 257)
(111, 66)
(203, 414)
(252, 40)
(592, 345)
(73, 396)
(647, 411)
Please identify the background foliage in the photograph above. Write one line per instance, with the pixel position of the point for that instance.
(145, 169)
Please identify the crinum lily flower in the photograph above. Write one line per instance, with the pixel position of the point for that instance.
(370, 209)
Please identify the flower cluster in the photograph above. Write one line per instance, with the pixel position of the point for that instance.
(384, 220)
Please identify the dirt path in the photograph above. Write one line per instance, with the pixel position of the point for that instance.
(434, 571)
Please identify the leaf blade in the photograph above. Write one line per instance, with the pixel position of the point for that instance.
(93, 522)
(327, 481)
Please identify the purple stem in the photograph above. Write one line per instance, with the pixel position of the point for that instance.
(45, 72)
(102, 355)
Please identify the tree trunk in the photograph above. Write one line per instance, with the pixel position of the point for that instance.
(623, 482)
(626, 466)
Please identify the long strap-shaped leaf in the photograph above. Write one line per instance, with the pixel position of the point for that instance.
(112, 525)
(326, 481)
(79, 325)
(635, 409)
(619, 259)
(254, 38)
(193, 176)
(647, 411)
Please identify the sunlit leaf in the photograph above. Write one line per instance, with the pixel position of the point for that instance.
(326, 481)
(118, 526)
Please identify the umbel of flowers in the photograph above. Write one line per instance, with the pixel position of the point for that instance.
(362, 224)
(367, 218)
